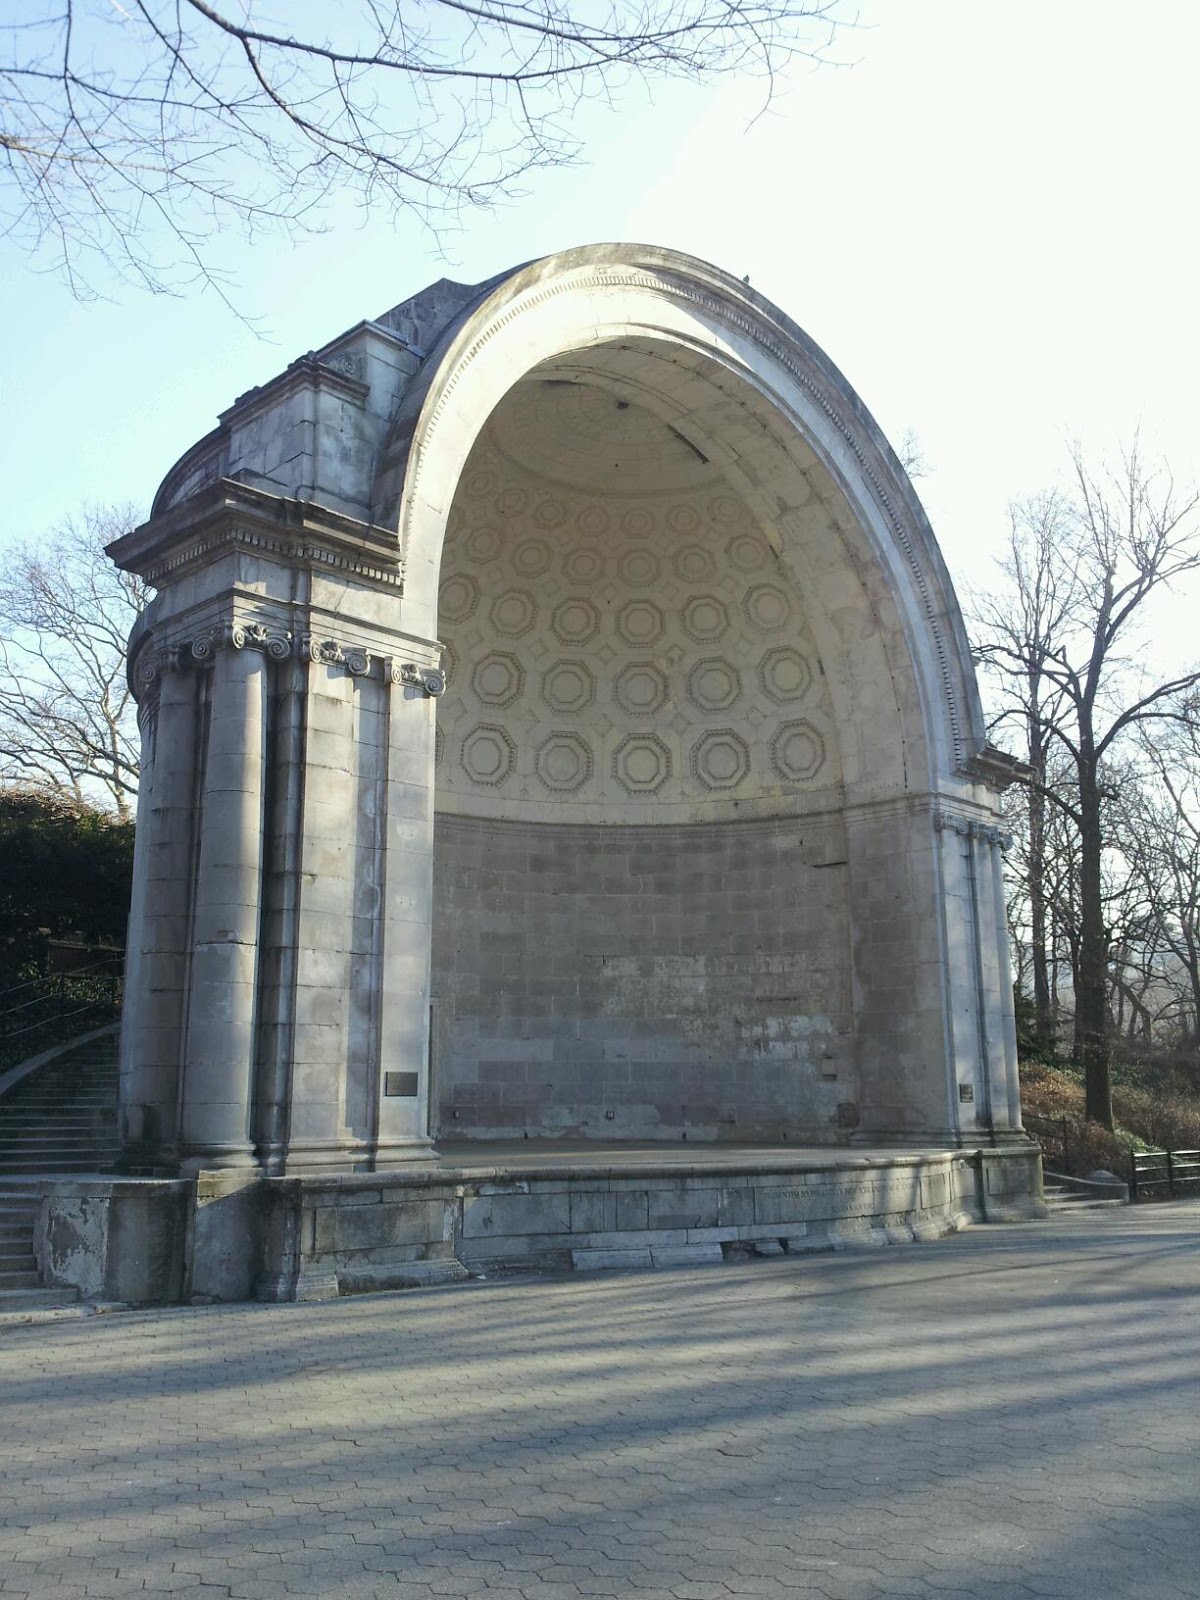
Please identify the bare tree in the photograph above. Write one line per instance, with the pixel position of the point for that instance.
(1158, 822)
(1060, 641)
(67, 720)
(133, 133)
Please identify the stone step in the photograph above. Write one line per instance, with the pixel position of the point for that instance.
(61, 1122)
(25, 1116)
(74, 1126)
(19, 1280)
(32, 1297)
(59, 1169)
(53, 1138)
(1059, 1199)
(11, 1127)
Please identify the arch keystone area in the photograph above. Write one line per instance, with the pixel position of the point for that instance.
(709, 850)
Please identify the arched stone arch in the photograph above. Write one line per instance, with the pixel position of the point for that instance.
(286, 838)
(710, 356)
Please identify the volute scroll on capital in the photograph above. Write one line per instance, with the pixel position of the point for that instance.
(970, 828)
(329, 653)
(431, 679)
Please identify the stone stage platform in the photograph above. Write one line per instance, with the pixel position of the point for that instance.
(528, 1206)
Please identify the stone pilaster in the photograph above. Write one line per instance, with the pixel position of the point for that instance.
(219, 1050)
(156, 981)
(983, 1084)
(404, 957)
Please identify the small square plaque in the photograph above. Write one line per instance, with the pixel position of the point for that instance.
(400, 1084)
(966, 1094)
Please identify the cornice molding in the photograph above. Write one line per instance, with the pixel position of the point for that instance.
(230, 515)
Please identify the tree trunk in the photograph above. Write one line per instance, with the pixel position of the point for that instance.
(1042, 1008)
(1091, 995)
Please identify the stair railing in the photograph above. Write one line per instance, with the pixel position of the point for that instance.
(48, 1009)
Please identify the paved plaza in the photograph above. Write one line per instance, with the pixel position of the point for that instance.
(1011, 1412)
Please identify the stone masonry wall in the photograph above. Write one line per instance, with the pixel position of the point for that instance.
(642, 982)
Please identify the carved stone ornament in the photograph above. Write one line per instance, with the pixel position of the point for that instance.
(253, 635)
(149, 668)
(431, 679)
(329, 653)
(233, 636)
(968, 828)
(325, 652)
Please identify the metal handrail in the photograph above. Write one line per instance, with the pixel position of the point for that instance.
(1058, 1127)
(106, 965)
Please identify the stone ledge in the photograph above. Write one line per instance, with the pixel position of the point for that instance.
(155, 1241)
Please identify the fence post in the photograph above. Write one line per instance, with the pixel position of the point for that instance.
(1066, 1152)
(1133, 1177)
(1170, 1176)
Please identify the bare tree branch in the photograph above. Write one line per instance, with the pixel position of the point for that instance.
(132, 135)
(67, 720)
(1064, 645)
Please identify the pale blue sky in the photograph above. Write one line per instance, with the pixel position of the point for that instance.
(988, 221)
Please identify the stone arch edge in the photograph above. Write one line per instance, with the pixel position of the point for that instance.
(881, 482)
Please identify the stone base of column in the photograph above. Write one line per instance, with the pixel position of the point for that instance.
(906, 1139)
(217, 1158)
(942, 1139)
(401, 1152)
(332, 1155)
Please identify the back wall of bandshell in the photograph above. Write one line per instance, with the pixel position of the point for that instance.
(698, 842)
(630, 940)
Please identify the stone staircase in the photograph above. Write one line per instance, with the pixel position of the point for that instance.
(1062, 1199)
(59, 1120)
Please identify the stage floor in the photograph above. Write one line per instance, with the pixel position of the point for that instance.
(591, 1155)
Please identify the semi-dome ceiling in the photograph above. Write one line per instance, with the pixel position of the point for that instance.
(623, 644)
(585, 436)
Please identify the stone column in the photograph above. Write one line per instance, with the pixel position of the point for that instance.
(983, 1078)
(219, 1053)
(403, 1122)
(899, 918)
(152, 1025)
(1006, 1087)
(132, 1090)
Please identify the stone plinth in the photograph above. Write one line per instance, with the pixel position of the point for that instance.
(481, 1210)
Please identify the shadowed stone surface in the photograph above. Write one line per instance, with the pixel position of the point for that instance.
(1009, 1414)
